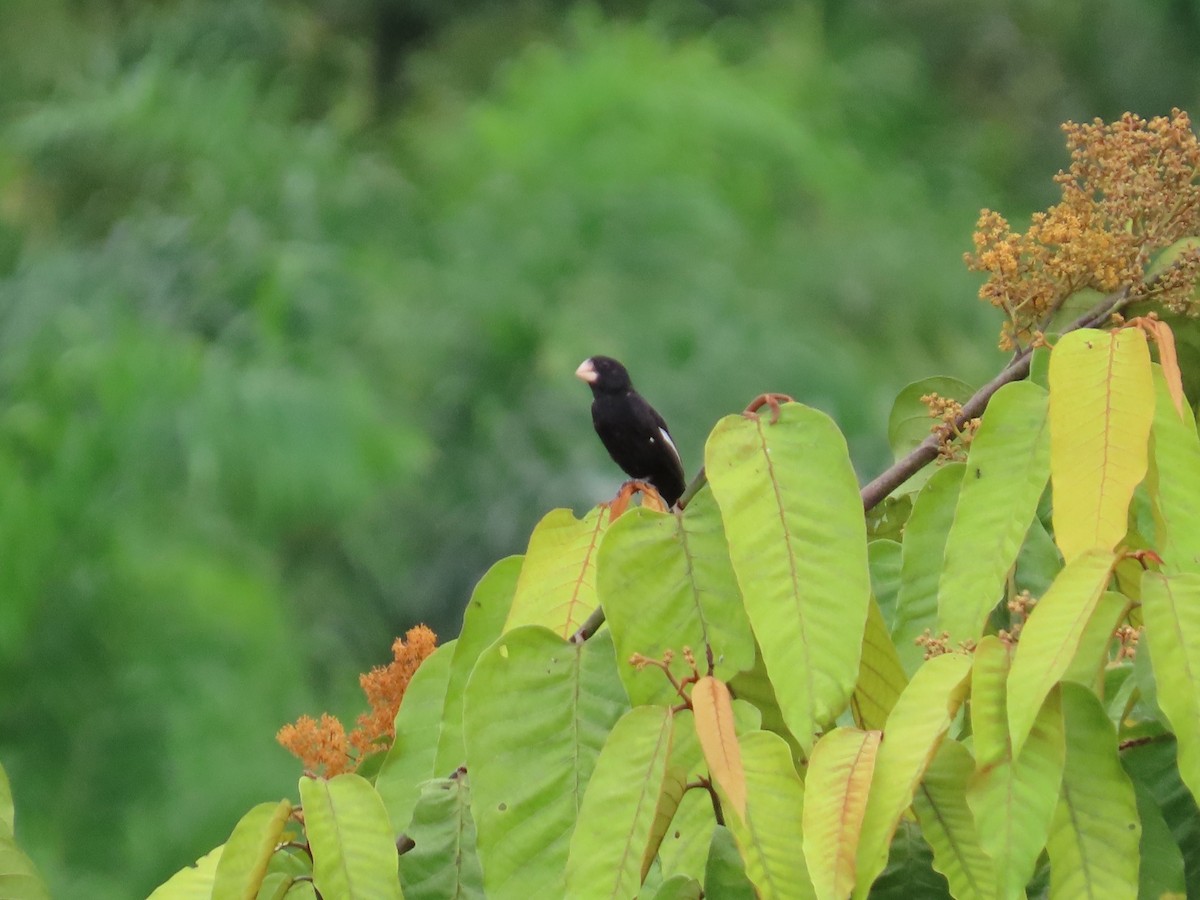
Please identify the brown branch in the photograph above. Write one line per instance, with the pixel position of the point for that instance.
(707, 785)
(926, 452)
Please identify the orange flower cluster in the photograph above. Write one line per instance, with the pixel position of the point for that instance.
(325, 747)
(1130, 192)
(954, 442)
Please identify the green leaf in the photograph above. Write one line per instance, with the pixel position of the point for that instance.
(1007, 470)
(679, 887)
(249, 849)
(483, 622)
(946, 820)
(910, 423)
(1101, 409)
(884, 559)
(1175, 481)
(835, 798)
(1171, 611)
(1039, 561)
(1093, 841)
(557, 584)
(754, 686)
(193, 882)
(665, 581)
(794, 521)
(921, 562)
(881, 677)
(1051, 637)
(1012, 801)
(409, 761)
(630, 799)
(913, 732)
(1161, 873)
(538, 710)
(685, 846)
(1091, 659)
(353, 847)
(769, 838)
(443, 862)
(910, 873)
(1152, 766)
(725, 875)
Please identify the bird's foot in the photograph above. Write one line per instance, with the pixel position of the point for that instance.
(651, 498)
(772, 401)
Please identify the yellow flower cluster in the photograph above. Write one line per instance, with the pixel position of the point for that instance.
(1131, 191)
(325, 747)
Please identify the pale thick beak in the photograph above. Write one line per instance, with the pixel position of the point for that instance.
(587, 372)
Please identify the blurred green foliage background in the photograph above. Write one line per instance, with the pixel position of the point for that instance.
(291, 294)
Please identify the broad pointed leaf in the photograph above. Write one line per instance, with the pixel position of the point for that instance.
(483, 621)
(353, 848)
(1012, 801)
(249, 849)
(557, 584)
(1051, 637)
(1175, 482)
(881, 677)
(769, 837)
(949, 826)
(538, 709)
(1007, 470)
(835, 799)
(1093, 842)
(1101, 409)
(632, 795)
(921, 562)
(1171, 609)
(912, 735)
(712, 707)
(665, 581)
(793, 518)
(410, 759)
(443, 861)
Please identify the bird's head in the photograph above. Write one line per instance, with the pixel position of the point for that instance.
(604, 375)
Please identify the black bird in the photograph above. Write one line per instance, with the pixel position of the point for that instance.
(632, 432)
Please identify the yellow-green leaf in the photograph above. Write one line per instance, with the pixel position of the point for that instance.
(1174, 482)
(881, 677)
(769, 837)
(557, 584)
(921, 562)
(632, 795)
(244, 861)
(1171, 611)
(911, 737)
(1013, 800)
(948, 825)
(665, 581)
(1101, 408)
(1007, 470)
(835, 799)
(1051, 637)
(1093, 841)
(794, 522)
(353, 848)
(536, 713)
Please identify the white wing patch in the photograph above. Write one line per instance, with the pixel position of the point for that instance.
(670, 443)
